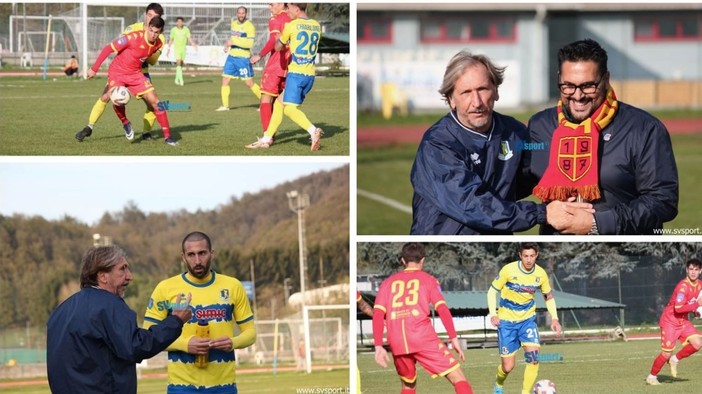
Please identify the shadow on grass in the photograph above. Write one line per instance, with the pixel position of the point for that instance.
(158, 135)
(301, 137)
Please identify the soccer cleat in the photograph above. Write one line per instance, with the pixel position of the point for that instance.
(128, 132)
(652, 381)
(497, 389)
(260, 144)
(170, 141)
(316, 137)
(146, 136)
(86, 132)
(222, 108)
(673, 368)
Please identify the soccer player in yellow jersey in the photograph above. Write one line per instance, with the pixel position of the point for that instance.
(217, 300)
(303, 35)
(517, 283)
(238, 65)
(152, 10)
(178, 40)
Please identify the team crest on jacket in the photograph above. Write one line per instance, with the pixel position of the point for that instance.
(506, 152)
(224, 295)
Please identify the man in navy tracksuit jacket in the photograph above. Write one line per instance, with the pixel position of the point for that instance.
(638, 178)
(465, 182)
(466, 173)
(93, 341)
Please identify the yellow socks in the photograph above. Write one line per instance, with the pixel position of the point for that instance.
(501, 376)
(298, 117)
(149, 119)
(530, 373)
(225, 96)
(276, 120)
(256, 90)
(96, 112)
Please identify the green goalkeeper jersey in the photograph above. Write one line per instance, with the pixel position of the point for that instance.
(180, 36)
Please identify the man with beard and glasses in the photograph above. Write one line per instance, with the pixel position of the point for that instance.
(218, 301)
(603, 151)
(466, 171)
(93, 341)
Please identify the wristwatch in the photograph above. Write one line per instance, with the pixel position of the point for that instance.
(593, 229)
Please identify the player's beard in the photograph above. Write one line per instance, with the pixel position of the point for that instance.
(200, 271)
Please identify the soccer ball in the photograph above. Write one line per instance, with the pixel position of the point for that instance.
(544, 386)
(120, 95)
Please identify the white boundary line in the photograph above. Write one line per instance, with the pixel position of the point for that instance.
(384, 200)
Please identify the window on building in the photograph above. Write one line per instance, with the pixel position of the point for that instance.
(374, 30)
(455, 30)
(668, 28)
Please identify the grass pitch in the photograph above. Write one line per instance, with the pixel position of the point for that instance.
(40, 117)
(333, 381)
(587, 368)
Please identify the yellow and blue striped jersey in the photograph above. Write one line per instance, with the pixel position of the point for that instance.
(242, 38)
(139, 26)
(303, 36)
(219, 299)
(517, 288)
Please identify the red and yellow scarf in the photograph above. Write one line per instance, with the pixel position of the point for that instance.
(573, 158)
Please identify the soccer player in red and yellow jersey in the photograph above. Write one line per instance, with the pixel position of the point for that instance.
(402, 303)
(125, 70)
(152, 10)
(273, 79)
(302, 34)
(675, 324)
(238, 64)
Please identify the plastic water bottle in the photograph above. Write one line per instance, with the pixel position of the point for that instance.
(202, 331)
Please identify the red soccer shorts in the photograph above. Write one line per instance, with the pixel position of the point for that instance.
(137, 84)
(670, 333)
(439, 361)
(272, 84)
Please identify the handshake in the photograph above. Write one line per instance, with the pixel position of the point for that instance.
(570, 217)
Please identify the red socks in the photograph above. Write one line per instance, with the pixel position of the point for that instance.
(463, 387)
(686, 351)
(266, 113)
(162, 118)
(121, 111)
(658, 363)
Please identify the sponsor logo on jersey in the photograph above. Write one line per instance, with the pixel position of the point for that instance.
(210, 313)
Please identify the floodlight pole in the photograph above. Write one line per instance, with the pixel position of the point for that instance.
(298, 202)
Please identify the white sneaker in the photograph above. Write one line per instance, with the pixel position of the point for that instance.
(222, 108)
(260, 144)
(673, 368)
(652, 381)
(316, 137)
(128, 132)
